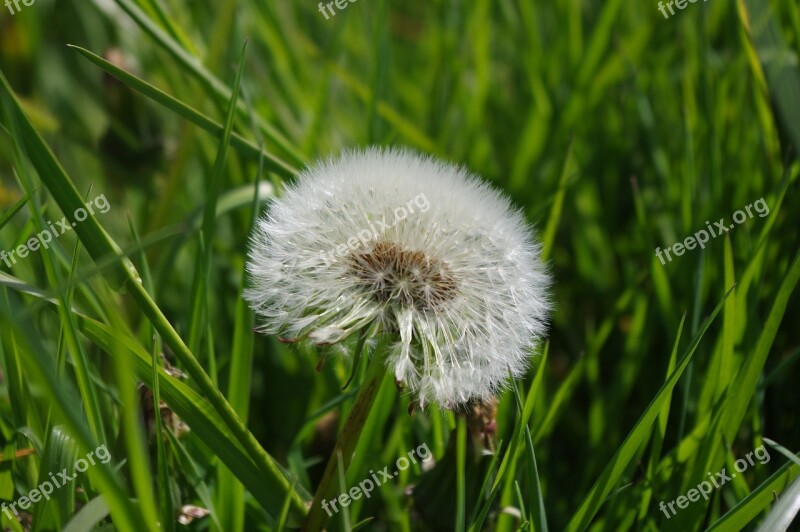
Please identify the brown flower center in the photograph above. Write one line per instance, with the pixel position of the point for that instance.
(410, 278)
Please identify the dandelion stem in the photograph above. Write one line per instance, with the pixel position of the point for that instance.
(461, 464)
(348, 438)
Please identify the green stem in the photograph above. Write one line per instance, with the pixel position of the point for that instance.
(346, 443)
(461, 464)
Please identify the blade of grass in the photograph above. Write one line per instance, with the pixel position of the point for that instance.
(230, 501)
(202, 274)
(14, 209)
(195, 476)
(549, 234)
(137, 456)
(785, 510)
(538, 517)
(89, 517)
(621, 460)
(747, 377)
(506, 474)
(211, 83)
(783, 450)
(480, 512)
(660, 429)
(156, 9)
(759, 499)
(282, 518)
(164, 485)
(247, 147)
(59, 452)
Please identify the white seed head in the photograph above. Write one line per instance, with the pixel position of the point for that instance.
(390, 240)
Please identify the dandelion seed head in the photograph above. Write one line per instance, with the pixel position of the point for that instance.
(420, 249)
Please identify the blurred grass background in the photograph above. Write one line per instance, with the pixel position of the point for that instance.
(615, 130)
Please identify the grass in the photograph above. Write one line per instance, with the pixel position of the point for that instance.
(616, 132)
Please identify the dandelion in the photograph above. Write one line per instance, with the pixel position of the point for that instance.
(389, 241)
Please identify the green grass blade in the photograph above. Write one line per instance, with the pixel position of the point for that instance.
(200, 303)
(538, 512)
(247, 147)
(621, 460)
(759, 499)
(133, 434)
(549, 233)
(59, 452)
(783, 450)
(193, 66)
(785, 510)
(660, 428)
(230, 502)
(164, 485)
(283, 517)
(506, 475)
(747, 378)
(14, 209)
(88, 517)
